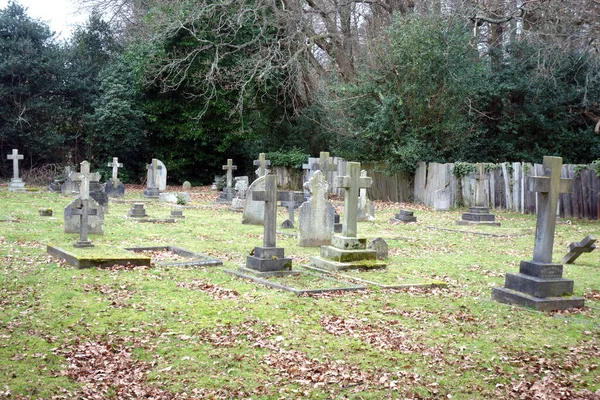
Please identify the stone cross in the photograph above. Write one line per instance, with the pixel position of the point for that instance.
(479, 181)
(271, 196)
(262, 164)
(323, 164)
(115, 164)
(230, 168)
(548, 187)
(153, 169)
(85, 177)
(578, 248)
(294, 198)
(351, 183)
(15, 157)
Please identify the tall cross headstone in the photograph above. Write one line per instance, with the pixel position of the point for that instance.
(478, 213)
(479, 181)
(228, 192)
(84, 177)
(351, 183)
(115, 164)
(152, 179)
(114, 187)
(323, 164)
(262, 164)
(230, 168)
(366, 209)
(539, 282)
(16, 184)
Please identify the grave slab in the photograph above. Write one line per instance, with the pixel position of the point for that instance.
(404, 216)
(87, 261)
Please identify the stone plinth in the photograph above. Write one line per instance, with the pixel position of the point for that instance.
(346, 253)
(404, 216)
(16, 185)
(268, 259)
(137, 210)
(177, 214)
(478, 215)
(226, 196)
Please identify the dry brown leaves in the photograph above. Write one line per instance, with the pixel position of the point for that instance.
(213, 291)
(593, 295)
(118, 294)
(259, 333)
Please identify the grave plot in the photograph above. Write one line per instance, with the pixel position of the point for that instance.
(300, 282)
(100, 256)
(172, 256)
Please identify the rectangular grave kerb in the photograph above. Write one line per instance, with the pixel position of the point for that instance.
(198, 259)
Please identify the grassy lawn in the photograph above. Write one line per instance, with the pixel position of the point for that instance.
(197, 332)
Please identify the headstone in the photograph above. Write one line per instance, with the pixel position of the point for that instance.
(478, 214)
(254, 211)
(152, 179)
(174, 197)
(323, 164)
(162, 176)
(114, 187)
(262, 165)
(241, 187)
(45, 212)
(366, 209)
(84, 207)
(97, 193)
(218, 183)
(177, 214)
(337, 225)
(539, 283)
(380, 246)
(15, 184)
(578, 248)
(348, 251)
(404, 216)
(269, 258)
(69, 186)
(316, 215)
(441, 201)
(291, 205)
(228, 192)
(186, 185)
(137, 210)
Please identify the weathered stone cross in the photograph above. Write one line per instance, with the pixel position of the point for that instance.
(262, 164)
(578, 248)
(352, 183)
(271, 196)
(323, 164)
(479, 180)
(115, 164)
(548, 188)
(230, 168)
(153, 169)
(15, 156)
(85, 177)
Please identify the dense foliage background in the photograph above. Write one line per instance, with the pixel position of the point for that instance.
(195, 83)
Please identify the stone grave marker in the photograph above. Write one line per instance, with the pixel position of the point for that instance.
(177, 214)
(478, 214)
(578, 248)
(97, 193)
(15, 184)
(161, 174)
(186, 185)
(539, 283)
(137, 210)
(83, 206)
(366, 209)
(254, 211)
(323, 164)
(380, 246)
(337, 225)
(152, 189)
(114, 187)
(241, 187)
(228, 192)
(404, 216)
(294, 201)
(69, 187)
(262, 163)
(441, 201)
(316, 215)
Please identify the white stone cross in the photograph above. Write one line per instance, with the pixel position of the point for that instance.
(85, 177)
(115, 164)
(153, 170)
(548, 188)
(351, 183)
(230, 168)
(262, 164)
(15, 156)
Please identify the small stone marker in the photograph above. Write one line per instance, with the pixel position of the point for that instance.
(152, 190)
(380, 246)
(114, 187)
(186, 185)
(137, 210)
(316, 215)
(441, 201)
(269, 258)
(539, 282)
(45, 212)
(15, 184)
(404, 216)
(366, 209)
(83, 209)
(262, 164)
(177, 214)
(228, 192)
(478, 214)
(578, 248)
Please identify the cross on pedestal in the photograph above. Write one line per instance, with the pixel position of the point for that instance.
(85, 177)
(351, 183)
(547, 188)
(479, 181)
(292, 202)
(15, 157)
(578, 248)
(115, 164)
(271, 196)
(262, 164)
(230, 168)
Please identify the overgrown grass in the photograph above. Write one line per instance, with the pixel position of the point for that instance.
(199, 332)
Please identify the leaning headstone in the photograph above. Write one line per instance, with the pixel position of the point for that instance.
(366, 209)
(380, 246)
(578, 248)
(254, 211)
(441, 201)
(152, 189)
(137, 210)
(186, 185)
(241, 187)
(316, 215)
(347, 251)
(15, 184)
(269, 258)
(84, 211)
(404, 216)
(478, 214)
(161, 176)
(228, 192)
(262, 165)
(539, 283)
(114, 187)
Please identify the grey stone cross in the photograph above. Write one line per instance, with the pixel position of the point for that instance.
(230, 168)
(479, 180)
(548, 188)
(578, 248)
(153, 170)
(271, 196)
(262, 164)
(85, 177)
(352, 183)
(115, 164)
(15, 157)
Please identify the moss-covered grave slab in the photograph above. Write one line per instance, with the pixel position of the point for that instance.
(183, 257)
(97, 257)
